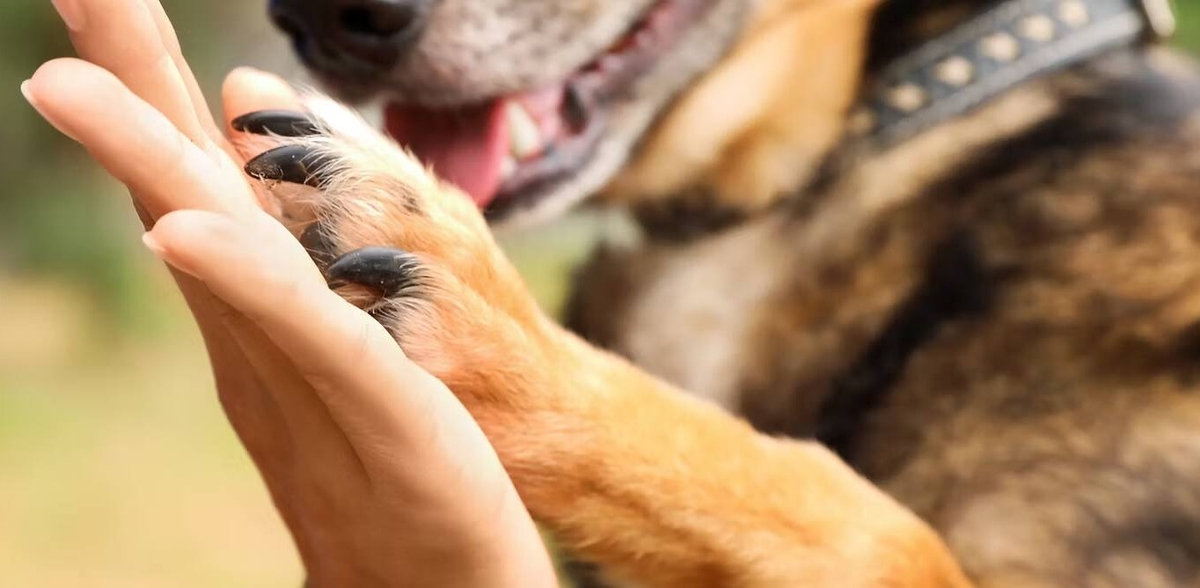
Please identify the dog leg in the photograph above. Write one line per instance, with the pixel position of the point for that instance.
(656, 488)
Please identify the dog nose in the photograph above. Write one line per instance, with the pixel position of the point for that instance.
(351, 36)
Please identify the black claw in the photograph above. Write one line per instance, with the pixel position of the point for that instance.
(296, 164)
(386, 269)
(284, 123)
(320, 246)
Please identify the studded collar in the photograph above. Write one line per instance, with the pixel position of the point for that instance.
(991, 53)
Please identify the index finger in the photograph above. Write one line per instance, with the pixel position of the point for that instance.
(170, 42)
(126, 38)
(135, 142)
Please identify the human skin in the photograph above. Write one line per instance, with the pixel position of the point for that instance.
(379, 473)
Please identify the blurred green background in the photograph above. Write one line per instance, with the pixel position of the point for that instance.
(116, 466)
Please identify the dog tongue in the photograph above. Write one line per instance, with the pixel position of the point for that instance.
(465, 146)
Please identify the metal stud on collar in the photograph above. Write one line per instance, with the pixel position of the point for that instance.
(994, 51)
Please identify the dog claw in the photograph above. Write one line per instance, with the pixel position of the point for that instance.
(386, 269)
(284, 123)
(296, 164)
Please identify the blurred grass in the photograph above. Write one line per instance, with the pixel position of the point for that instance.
(116, 466)
(119, 471)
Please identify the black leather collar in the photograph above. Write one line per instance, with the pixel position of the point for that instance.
(991, 53)
(949, 75)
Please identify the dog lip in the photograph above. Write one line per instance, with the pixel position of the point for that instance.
(532, 180)
(587, 96)
(589, 93)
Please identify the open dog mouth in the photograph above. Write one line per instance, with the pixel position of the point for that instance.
(518, 147)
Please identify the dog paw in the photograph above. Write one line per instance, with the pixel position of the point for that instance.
(410, 250)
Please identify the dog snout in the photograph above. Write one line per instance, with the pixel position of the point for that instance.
(351, 37)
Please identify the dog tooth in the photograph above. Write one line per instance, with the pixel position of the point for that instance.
(508, 169)
(525, 139)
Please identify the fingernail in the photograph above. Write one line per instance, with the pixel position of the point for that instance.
(154, 245)
(28, 94)
(70, 12)
(246, 70)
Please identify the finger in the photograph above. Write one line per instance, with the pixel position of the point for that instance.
(253, 414)
(170, 41)
(251, 411)
(324, 454)
(123, 37)
(143, 149)
(380, 398)
(135, 142)
(248, 90)
(255, 418)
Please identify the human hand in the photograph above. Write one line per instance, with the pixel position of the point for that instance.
(380, 474)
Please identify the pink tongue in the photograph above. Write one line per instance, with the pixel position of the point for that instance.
(465, 146)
